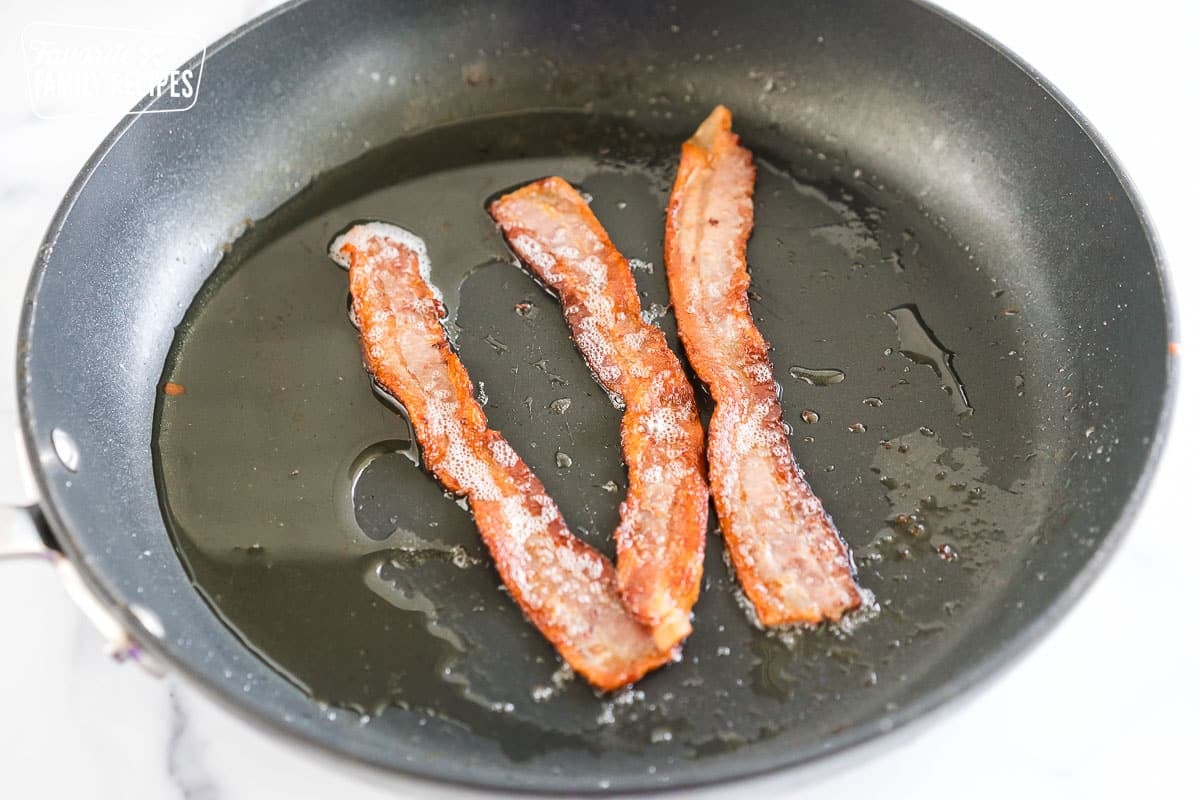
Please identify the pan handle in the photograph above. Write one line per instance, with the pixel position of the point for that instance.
(24, 534)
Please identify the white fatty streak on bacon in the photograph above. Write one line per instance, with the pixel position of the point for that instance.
(790, 560)
(660, 539)
(566, 588)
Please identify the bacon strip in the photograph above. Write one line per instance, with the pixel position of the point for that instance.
(789, 558)
(660, 539)
(566, 588)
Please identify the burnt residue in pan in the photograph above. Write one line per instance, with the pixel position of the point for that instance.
(297, 503)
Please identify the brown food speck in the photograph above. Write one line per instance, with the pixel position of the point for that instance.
(475, 73)
(907, 523)
(173, 389)
(809, 416)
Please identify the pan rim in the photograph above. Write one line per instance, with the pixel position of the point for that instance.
(922, 710)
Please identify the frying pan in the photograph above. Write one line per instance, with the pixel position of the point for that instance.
(907, 165)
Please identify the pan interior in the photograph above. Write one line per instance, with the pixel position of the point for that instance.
(293, 498)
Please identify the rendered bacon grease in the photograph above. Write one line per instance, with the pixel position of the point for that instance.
(789, 558)
(568, 590)
(660, 539)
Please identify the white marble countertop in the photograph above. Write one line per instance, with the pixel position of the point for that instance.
(1084, 714)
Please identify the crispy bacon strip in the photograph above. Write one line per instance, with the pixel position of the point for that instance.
(566, 588)
(660, 539)
(789, 558)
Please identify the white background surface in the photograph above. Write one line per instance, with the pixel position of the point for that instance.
(1104, 707)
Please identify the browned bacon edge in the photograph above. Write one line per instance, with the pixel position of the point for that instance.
(567, 589)
(789, 558)
(660, 539)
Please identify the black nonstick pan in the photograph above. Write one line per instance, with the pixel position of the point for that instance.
(965, 303)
